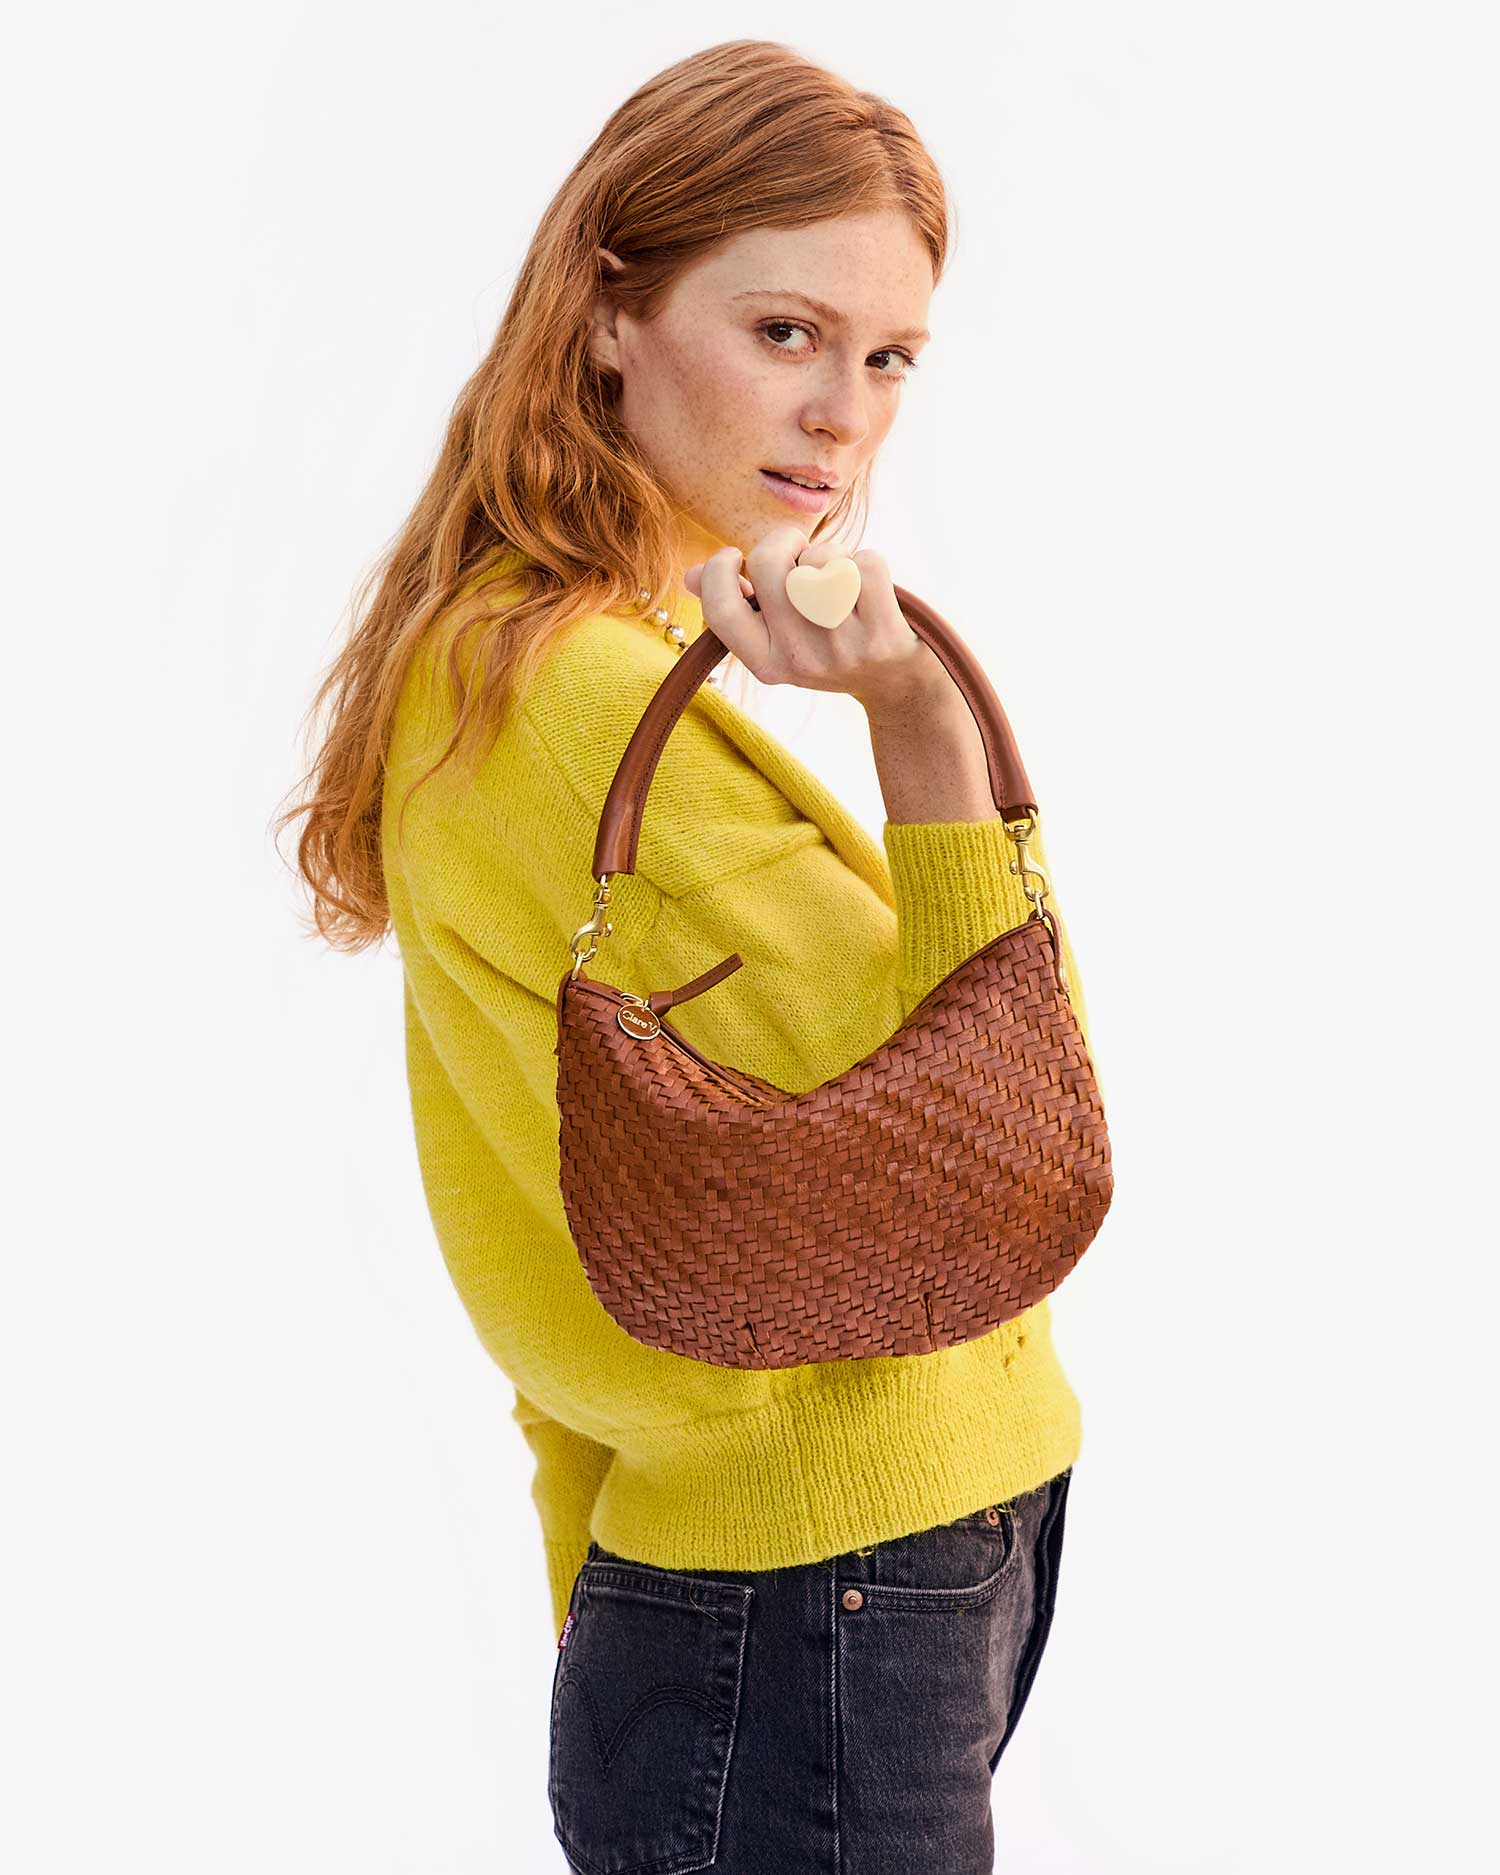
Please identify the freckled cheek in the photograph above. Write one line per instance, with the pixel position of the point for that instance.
(723, 397)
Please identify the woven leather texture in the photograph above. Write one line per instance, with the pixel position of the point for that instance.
(931, 1192)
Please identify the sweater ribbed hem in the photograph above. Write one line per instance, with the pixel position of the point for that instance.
(845, 1456)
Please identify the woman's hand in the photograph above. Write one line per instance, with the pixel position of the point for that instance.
(873, 656)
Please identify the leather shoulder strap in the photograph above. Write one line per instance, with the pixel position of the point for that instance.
(625, 804)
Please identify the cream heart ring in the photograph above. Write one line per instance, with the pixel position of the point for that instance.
(824, 595)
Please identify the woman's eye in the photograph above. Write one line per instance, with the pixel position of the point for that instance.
(790, 325)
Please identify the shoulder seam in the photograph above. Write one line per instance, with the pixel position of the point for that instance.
(805, 833)
(658, 891)
(557, 762)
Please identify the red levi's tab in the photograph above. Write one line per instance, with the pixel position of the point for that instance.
(567, 1629)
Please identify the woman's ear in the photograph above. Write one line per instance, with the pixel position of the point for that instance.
(604, 342)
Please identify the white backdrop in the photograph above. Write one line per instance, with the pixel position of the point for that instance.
(1214, 393)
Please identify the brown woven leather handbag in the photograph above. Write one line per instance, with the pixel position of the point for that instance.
(942, 1184)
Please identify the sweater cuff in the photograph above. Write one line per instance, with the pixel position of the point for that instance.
(953, 891)
(564, 1560)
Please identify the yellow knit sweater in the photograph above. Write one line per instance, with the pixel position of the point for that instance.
(657, 1456)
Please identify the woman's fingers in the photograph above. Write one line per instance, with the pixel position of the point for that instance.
(772, 638)
(693, 578)
(768, 562)
(722, 591)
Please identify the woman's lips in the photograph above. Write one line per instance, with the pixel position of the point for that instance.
(804, 500)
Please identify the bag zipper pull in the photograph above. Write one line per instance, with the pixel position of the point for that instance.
(660, 1000)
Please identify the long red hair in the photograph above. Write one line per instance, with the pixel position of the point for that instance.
(536, 477)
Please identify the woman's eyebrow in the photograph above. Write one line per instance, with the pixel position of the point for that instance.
(824, 311)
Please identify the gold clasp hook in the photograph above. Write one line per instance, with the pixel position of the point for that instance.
(1021, 831)
(598, 927)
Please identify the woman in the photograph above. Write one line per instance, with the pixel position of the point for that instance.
(799, 1611)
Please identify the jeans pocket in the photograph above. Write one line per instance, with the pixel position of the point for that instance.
(645, 1704)
(925, 1635)
(958, 1564)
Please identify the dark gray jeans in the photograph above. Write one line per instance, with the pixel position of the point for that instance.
(842, 1717)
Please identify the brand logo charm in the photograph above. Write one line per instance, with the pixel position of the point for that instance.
(636, 1019)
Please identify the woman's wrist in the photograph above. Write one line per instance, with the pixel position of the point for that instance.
(917, 686)
(930, 757)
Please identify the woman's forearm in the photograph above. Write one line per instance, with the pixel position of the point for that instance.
(929, 756)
